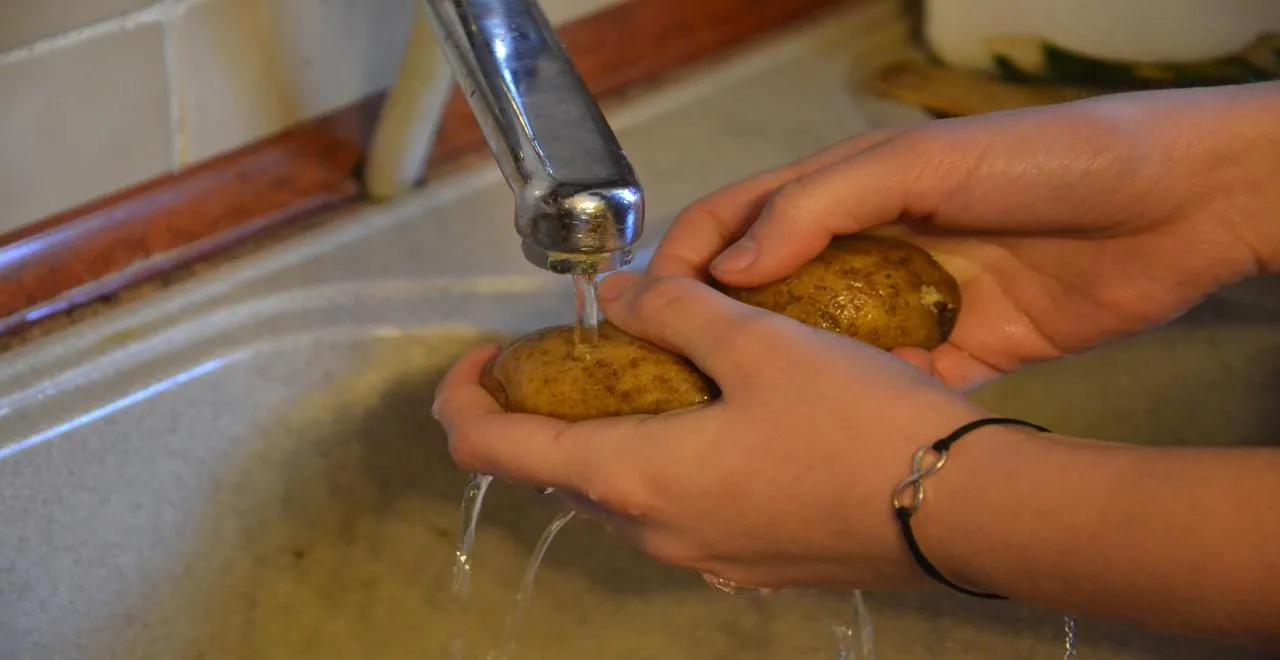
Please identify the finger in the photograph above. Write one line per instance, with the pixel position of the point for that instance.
(688, 317)
(615, 462)
(483, 438)
(528, 449)
(631, 529)
(654, 541)
(607, 460)
(867, 190)
(460, 391)
(918, 358)
(955, 368)
(709, 225)
(960, 370)
(588, 509)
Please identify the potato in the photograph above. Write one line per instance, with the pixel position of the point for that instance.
(545, 373)
(884, 291)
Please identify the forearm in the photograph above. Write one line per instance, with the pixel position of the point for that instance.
(1185, 540)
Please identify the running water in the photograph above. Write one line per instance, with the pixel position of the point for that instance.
(586, 333)
(586, 330)
(855, 637)
(472, 500)
(857, 640)
(526, 585)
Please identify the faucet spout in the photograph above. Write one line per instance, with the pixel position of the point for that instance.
(579, 207)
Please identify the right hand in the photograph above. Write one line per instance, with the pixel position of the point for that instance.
(1067, 226)
(783, 481)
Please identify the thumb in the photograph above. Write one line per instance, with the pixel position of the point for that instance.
(865, 191)
(720, 335)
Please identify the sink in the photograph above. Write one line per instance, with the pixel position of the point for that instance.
(244, 465)
(265, 480)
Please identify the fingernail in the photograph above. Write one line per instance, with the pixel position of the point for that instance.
(737, 257)
(614, 285)
(435, 409)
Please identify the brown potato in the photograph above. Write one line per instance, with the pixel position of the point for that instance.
(545, 373)
(884, 291)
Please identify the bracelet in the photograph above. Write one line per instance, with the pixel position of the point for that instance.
(909, 494)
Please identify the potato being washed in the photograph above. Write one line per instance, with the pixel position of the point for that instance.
(546, 373)
(884, 291)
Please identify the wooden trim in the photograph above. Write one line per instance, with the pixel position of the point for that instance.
(90, 252)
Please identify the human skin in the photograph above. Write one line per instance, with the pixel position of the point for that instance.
(1068, 227)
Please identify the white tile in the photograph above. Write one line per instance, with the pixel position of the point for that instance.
(82, 121)
(560, 12)
(25, 21)
(249, 68)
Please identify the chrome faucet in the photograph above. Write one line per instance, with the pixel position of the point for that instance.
(579, 207)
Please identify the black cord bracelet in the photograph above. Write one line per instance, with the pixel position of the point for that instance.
(914, 487)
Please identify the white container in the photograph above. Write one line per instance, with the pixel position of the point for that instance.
(1147, 31)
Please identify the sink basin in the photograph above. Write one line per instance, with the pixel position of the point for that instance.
(244, 465)
(265, 481)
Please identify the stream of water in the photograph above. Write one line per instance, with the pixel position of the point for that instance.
(586, 329)
(472, 501)
(857, 639)
(510, 636)
(854, 636)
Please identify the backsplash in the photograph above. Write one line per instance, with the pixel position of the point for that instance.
(98, 95)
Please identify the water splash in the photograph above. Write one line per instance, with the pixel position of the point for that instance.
(516, 618)
(854, 637)
(861, 643)
(472, 501)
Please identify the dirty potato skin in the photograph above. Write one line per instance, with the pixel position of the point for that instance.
(543, 373)
(884, 291)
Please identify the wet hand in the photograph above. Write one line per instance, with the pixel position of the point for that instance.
(1067, 226)
(785, 480)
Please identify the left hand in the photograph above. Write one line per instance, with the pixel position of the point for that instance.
(784, 481)
(1067, 226)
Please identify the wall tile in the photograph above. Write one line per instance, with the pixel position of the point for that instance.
(82, 121)
(563, 11)
(25, 21)
(92, 117)
(250, 68)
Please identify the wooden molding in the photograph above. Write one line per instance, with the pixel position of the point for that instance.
(87, 253)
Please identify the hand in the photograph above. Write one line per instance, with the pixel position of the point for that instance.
(1067, 226)
(784, 481)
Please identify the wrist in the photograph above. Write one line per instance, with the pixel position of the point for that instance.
(971, 513)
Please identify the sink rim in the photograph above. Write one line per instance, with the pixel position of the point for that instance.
(160, 356)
